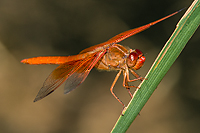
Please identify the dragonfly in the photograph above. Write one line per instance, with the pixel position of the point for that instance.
(108, 56)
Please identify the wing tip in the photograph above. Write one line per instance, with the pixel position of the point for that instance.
(41, 96)
(38, 98)
(35, 100)
(25, 61)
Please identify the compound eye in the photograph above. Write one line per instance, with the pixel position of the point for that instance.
(132, 58)
(139, 52)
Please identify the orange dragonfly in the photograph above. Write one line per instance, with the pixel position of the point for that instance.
(105, 56)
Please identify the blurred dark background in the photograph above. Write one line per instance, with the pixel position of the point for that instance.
(62, 27)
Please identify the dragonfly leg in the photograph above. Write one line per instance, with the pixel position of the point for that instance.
(111, 88)
(125, 84)
(126, 79)
(136, 75)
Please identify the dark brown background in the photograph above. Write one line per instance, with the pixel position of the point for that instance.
(63, 27)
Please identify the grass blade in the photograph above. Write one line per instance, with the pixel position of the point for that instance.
(170, 52)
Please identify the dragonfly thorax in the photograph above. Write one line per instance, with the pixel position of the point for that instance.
(118, 57)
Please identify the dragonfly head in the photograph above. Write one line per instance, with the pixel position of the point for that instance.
(135, 59)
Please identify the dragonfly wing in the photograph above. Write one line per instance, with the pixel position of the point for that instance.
(53, 59)
(64, 71)
(55, 79)
(80, 74)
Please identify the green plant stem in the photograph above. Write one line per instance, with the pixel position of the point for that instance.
(170, 52)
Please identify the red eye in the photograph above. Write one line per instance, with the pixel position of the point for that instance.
(135, 59)
(139, 52)
(133, 56)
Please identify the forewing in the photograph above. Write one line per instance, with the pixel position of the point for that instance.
(75, 71)
(80, 74)
(54, 59)
(56, 78)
